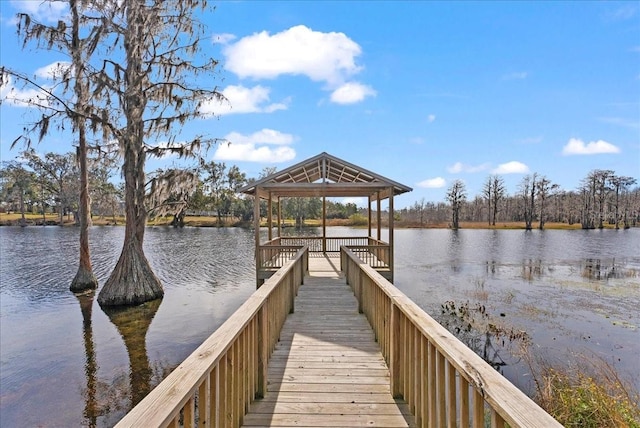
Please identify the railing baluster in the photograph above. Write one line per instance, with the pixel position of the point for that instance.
(204, 402)
(478, 409)
(464, 402)
(442, 397)
(431, 381)
(451, 395)
(496, 420)
(214, 406)
(222, 391)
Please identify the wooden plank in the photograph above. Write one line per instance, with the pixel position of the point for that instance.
(325, 420)
(343, 408)
(329, 397)
(327, 369)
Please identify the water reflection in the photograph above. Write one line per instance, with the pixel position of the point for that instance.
(90, 411)
(598, 269)
(454, 250)
(473, 325)
(132, 324)
(531, 269)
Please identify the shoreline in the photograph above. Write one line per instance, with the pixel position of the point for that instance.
(193, 221)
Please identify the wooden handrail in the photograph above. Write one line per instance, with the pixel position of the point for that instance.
(214, 386)
(443, 381)
(376, 255)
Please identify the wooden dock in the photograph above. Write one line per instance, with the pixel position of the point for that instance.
(327, 370)
(299, 353)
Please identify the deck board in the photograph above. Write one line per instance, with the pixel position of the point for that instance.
(327, 369)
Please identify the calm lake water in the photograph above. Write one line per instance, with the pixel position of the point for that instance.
(65, 362)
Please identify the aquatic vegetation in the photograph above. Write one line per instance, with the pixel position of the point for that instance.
(589, 393)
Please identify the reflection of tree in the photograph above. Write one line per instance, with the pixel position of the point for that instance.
(90, 412)
(597, 269)
(531, 268)
(132, 324)
(455, 242)
(471, 325)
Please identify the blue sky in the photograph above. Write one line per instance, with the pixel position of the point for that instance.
(421, 92)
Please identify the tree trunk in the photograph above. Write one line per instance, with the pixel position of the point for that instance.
(23, 219)
(133, 282)
(84, 279)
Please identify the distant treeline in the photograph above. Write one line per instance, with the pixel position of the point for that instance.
(50, 183)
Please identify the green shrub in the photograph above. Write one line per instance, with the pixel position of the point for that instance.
(592, 395)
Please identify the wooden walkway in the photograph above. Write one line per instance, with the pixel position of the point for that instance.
(327, 369)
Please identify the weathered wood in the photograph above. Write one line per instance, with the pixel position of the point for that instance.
(447, 358)
(327, 370)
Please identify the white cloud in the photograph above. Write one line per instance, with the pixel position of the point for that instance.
(323, 57)
(43, 11)
(627, 123)
(17, 97)
(576, 146)
(264, 136)
(351, 93)
(55, 70)
(243, 100)
(530, 140)
(513, 167)
(623, 13)
(519, 75)
(461, 167)
(256, 147)
(432, 183)
(431, 118)
(223, 38)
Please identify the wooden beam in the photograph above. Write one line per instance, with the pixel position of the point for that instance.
(379, 218)
(391, 222)
(269, 217)
(369, 215)
(324, 225)
(256, 225)
(279, 218)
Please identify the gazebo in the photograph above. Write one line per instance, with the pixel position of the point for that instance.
(323, 176)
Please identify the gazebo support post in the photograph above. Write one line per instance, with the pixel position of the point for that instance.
(256, 225)
(391, 223)
(369, 217)
(269, 219)
(379, 217)
(324, 225)
(279, 218)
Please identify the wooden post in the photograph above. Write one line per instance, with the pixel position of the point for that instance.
(360, 284)
(324, 224)
(394, 358)
(292, 291)
(269, 218)
(279, 218)
(391, 221)
(379, 217)
(256, 224)
(263, 351)
(369, 216)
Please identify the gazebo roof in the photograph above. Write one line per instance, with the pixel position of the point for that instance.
(325, 175)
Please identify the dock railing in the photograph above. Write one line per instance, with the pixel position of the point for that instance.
(444, 382)
(273, 254)
(214, 386)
